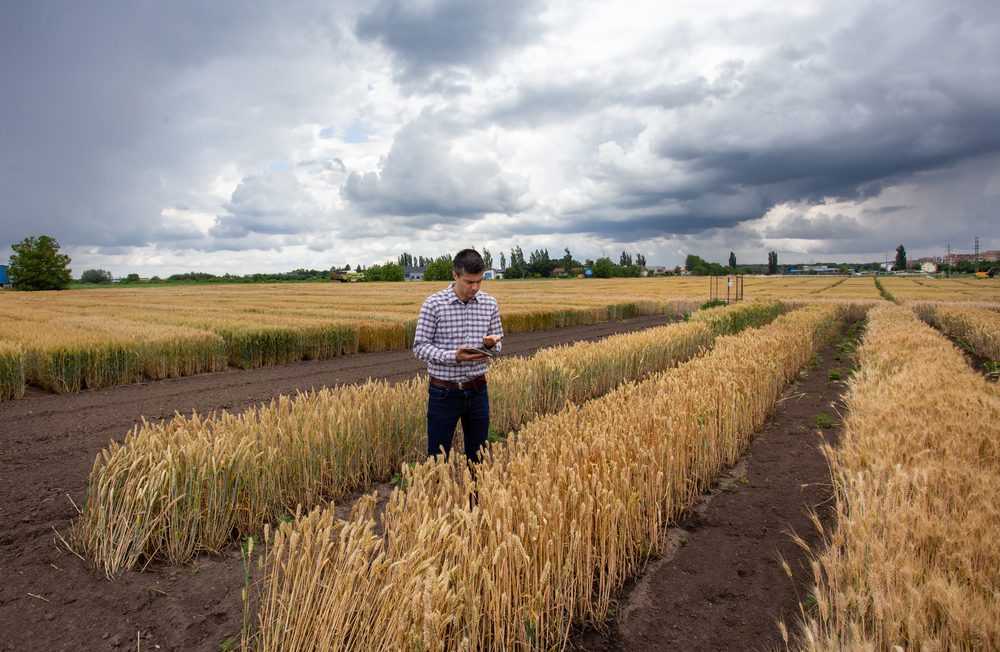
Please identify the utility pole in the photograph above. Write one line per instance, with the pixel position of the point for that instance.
(977, 254)
(948, 260)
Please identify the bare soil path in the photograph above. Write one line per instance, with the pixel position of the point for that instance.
(50, 599)
(720, 584)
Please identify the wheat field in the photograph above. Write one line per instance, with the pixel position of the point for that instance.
(553, 523)
(913, 561)
(184, 486)
(105, 337)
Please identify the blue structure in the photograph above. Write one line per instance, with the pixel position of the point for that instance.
(4, 279)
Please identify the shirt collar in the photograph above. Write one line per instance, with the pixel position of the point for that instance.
(453, 297)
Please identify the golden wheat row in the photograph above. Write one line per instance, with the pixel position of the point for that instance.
(976, 328)
(12, 376)
(550, 528)
(183, 486)
(82, 344)
(914, 559)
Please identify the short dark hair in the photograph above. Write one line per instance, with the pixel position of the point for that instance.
(468, 260)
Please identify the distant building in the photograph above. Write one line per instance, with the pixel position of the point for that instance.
(649, 270)
(4, 279)
(954, 259)
(414, 273)
(492, 274)
(814, 269)
(928, 268)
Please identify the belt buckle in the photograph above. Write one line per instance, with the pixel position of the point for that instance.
(464, 385)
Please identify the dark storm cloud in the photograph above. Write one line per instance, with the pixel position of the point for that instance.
(840, 162)
(863, 109)
(429, 176)
(129, 124)
(113, 111)
(556, 100)
(432, 40)
(821, 227)
(643, 227)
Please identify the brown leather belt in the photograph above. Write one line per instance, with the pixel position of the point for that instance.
(478, 381)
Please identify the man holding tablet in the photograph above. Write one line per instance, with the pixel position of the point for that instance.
(457, 330)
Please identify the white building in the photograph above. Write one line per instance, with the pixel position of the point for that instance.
(413, 273)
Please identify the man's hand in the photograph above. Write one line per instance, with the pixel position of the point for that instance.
(489, 341)
(467, 354)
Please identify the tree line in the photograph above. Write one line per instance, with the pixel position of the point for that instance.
(37, 264)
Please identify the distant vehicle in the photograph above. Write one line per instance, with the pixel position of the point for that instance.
(347, 277)
(993, 271)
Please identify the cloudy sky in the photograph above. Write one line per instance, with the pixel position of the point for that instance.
(163, 137)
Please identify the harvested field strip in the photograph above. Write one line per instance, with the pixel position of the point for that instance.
(976, 328)
(562, 514)
(912, 563)
(941, 289)
(173, 489)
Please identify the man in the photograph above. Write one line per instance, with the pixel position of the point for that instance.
(452, 324)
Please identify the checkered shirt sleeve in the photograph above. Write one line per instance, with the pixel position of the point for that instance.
(445, 324)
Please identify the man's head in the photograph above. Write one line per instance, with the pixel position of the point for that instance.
(467, 268)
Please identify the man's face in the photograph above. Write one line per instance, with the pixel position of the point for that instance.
(467, 285)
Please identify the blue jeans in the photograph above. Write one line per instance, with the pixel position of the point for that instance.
(445, 407)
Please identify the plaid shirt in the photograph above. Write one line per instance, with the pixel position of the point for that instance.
(446, 323)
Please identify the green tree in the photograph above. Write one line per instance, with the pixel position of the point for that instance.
(695, 264)
(567, 260)
(698, 266)
(132, 278)
(96, 276)
(603, 268)
(517, 267)
(440, 269)
(38, 265)
(732, 260)
(772, 262)
(900, 263)
(540, 264)
(488, 258)
(386, 272)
